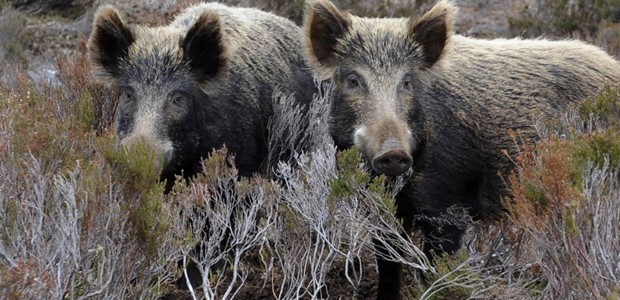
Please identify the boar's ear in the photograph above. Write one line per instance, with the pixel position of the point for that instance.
(109, 42)
(432, 32)
(203, 46)
(324, 24)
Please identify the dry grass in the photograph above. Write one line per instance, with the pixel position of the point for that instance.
(79, 219)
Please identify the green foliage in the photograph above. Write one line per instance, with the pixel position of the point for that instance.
(13, 35)
(608, 35)
(583, 15)
(152, 220)
(603, 141)
(39, 130)
(600, 147)
(135, 165)
(350, 175)
(605, 107)
(614, 294)
(596, 148)
(65, 8)
(527, 25)
(11, 211)
(565, 160)
(137, 168)
(453, 278)
(594, 21)
(537, 197)
(565, 196)
(64, 129)
(86, 113)
(353, 179)
(60, 173)
(91, 103)
(217, 166)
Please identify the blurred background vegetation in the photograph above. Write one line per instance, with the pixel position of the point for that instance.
(34, 32)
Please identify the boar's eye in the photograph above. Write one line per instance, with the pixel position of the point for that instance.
(127, 96)
(353, 82)
(179, 104)
(407, 83)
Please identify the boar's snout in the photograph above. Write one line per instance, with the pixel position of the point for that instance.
(386, 145)
(392, 162)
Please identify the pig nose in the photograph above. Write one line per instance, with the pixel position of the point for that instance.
(393, 162)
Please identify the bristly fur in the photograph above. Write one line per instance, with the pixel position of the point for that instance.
(205, 81)
(410, 92)
(223, 64)
(346, 32)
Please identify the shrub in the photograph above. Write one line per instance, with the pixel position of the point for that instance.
(13, 36)
(566, 206)
(97, 217)
(592, 21)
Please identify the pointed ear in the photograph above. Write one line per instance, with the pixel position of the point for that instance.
(203, 46)
(432, 32)
(109, 42)
(324, 24)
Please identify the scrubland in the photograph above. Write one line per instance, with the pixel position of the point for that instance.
(81, 219)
